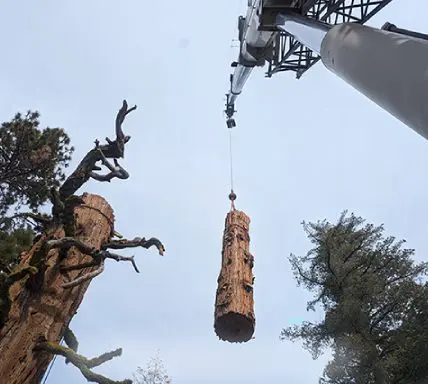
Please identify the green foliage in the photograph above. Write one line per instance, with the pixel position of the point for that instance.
(31, 161)
(155, 373)
(369, 288)
(12, 244)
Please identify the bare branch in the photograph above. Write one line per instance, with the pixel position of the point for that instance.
(67, 242)
(98, 255)
(120, 136)
(115, 171)
(112, 150)
(136, 242)
(114, 256)
(41, 219)
(86, 277)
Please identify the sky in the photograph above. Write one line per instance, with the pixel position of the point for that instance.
(303, 150)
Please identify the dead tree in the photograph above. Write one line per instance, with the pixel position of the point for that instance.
(39, 299)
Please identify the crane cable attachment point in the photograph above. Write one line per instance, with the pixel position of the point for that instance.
(232, 194)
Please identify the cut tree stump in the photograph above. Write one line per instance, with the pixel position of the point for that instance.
(234, 307)
(48, 312)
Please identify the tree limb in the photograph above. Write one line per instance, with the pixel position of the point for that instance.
(85, 277)
(136, 242)
(38, 218)
(82, 363)
(67, 242)
(113, 149)
(99, 255)
(121, 139)
(115, 171)
(114, 256)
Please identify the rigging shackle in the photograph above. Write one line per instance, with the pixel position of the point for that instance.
(232, 198)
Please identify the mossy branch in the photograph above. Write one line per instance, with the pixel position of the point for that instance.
(71, 340)
(82, 363)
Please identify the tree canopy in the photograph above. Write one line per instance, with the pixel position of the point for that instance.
(374, 302)
(32, 160)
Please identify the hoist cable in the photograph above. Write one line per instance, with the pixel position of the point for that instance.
(50, 366)
(231, 159)
(49, 369)
(232, 195)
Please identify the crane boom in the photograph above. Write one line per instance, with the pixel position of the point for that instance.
(374, 61)
(290, 34)
(254, 44)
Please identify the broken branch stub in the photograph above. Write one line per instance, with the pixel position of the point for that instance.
(234, 306)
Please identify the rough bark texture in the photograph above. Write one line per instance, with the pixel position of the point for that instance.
(234, 307)
(47, 312)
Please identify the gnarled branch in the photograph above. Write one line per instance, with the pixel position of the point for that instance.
(85, 277)
(67, 242)
(136, 242)
(114, 256)
(113, 149)
(99, 255)
(115, 171)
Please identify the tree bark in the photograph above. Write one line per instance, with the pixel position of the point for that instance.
(46, 312)
(234, 312)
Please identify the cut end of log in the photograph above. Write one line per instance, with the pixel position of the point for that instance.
(234, 327)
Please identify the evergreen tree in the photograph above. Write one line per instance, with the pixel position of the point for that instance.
(12, 244)
(31, 162)
(369, 288)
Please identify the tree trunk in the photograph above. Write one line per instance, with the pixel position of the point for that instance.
(234, 313)
(47, 312)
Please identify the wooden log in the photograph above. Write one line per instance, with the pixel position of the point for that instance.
(234, 307)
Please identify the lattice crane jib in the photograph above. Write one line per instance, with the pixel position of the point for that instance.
(262, 41)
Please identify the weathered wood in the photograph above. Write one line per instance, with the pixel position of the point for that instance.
(234, 307)
(48, 312)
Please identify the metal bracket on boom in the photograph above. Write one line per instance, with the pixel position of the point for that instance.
(229, 111)
(393, 28)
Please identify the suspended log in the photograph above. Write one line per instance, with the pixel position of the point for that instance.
(234, 307)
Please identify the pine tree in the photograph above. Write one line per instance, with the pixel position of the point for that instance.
(32, 161)
(368, 286)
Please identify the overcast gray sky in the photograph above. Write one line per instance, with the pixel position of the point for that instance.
(304, 150)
